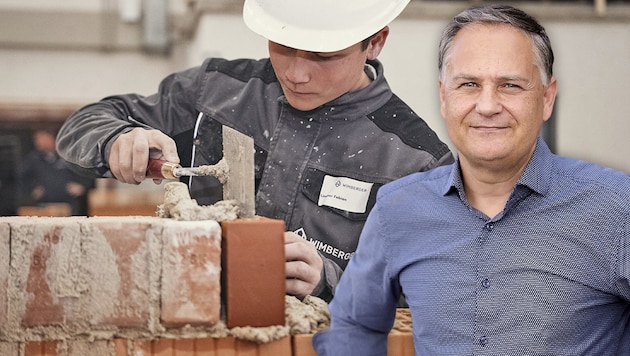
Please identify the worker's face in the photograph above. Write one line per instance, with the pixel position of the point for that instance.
(311, 79)
(492, 96)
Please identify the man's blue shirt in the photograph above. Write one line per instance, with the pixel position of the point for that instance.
(549, 275)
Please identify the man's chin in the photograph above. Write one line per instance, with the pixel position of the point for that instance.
(304, 106)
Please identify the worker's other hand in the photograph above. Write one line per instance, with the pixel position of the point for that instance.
(303, 265)
(130, 152)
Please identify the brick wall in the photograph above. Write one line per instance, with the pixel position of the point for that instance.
(134, 286)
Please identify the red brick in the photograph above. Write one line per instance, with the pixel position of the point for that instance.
(118, 250)
(185, 347)
(5, 255)
(207, 346)
(41, 348)
(141, 347)
(281, 347)
(121, 347)
(400, 344)
(191, 273)
(253, 272)
(303, 345)
(86, 347)
(46, 252)
(226, 346)
(163, 347)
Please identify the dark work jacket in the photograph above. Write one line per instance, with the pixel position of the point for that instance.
(319, 171)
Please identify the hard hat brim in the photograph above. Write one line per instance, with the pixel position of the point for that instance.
(314, 26)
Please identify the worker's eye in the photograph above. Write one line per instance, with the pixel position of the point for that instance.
(324, 56)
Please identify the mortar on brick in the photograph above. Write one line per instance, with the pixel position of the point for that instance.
(4, 270)
(191, 272)
(179, 206)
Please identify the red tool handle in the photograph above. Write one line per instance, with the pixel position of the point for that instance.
(161, 169)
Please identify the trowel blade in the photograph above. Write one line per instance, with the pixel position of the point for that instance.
(238, 153)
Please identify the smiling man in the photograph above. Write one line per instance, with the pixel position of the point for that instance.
(327, 129)
(511, 250)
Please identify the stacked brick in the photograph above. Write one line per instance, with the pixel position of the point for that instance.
(116, 285)
(142, 286)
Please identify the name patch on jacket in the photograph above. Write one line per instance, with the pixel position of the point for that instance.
(345, 193)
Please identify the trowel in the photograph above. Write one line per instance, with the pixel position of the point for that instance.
(235, 171)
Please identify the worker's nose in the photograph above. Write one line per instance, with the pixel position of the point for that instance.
(488, 102)
(297, 70)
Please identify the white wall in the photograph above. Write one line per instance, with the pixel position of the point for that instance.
(592, 67)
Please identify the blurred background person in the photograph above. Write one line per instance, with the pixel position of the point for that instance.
(45, 178)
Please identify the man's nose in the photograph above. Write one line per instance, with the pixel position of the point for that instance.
(488, 102)
(298, 68)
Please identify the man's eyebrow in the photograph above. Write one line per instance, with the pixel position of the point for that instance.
(464, 77)
(506, 78)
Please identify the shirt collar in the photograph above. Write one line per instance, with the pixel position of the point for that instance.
(537, 174)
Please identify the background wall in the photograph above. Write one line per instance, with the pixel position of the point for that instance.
(592, 66)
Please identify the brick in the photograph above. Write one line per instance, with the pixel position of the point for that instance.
(208, 347)
(121, 347)
(122, 272)
(41, 348)
(303, 345)
(226, 346)
(253, 272)
(185, 347)
(163, 347)
(5, 254)
(141, 347)
(400, 344)
(281, 347)
(86, 347)
(191, 273)
(46, 255)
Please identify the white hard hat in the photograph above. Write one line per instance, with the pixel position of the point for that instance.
(320, 25)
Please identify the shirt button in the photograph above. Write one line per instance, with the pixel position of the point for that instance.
(489, 226)
(485, 283)
(483, 341)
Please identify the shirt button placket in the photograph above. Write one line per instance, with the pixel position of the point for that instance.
(485, 282)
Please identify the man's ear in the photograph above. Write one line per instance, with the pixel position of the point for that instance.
(377, 42)
(549, 98)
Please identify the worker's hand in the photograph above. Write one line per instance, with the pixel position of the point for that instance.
(303, 267)
(130, 153)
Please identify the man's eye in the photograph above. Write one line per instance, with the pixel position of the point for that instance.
(468, 85)
(511, 86)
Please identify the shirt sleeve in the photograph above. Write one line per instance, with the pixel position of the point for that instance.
(364, 306)
(86, 136)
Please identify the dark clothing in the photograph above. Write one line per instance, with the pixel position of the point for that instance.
(51, 173)
(319, 171)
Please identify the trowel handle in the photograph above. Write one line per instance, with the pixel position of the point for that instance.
(161, 169)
